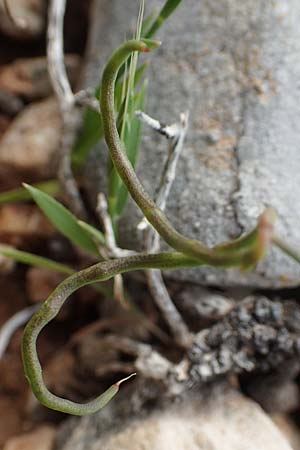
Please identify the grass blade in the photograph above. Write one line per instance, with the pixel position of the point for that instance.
(97, 235)
(51, 187)
(91, 133)
(34, 260)
(168, 9)
(132, 141)
(62, 219)
(45, 263)
(117, 194)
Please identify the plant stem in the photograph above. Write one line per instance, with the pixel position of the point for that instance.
(51, 307)
(154, 215)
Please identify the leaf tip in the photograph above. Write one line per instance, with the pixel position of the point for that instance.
(149, 45)
(118, 384)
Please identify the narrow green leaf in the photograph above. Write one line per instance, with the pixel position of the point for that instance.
(51, 187)
(168, 9)
(132, 70)
(92, 130)
(34, 260)
(39, 261)
(62, 219)
(148, 21)
(97, 235)
(118, 194)
(91, 133)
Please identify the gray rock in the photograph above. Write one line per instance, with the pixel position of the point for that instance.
(236, 67)
(228, 421)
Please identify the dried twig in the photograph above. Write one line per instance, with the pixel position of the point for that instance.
(176, 133)
(86, 97)
(111, 246)
(111, 249)
(10, 327)
(67, 102)
(169, 131)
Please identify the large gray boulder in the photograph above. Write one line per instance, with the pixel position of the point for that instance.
(236, 67)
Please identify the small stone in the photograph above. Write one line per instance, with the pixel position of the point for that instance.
(22, 224)
(40, 439)
(243, 361)
(29, 78)
(25, 18)
(277, 312)
(31, 143)
(223, 361)
(263, 337)
(243, 316)
(217, 335)
(262, 310)
(284, 341)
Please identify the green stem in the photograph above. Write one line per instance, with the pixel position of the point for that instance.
(51, 307)
(154, 215)
(242, 252)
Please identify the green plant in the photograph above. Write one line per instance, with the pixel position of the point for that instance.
(244, 252)
(129, 97)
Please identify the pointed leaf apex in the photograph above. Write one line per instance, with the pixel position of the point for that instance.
(150, 45)
(118, 384)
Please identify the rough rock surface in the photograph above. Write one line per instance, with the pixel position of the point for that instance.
(235, 66)
(229, 421)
